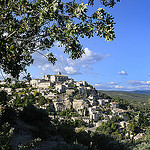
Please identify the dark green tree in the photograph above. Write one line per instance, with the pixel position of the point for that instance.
(29, 26)
(3, 98)
(28, 77)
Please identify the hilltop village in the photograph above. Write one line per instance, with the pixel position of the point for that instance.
(56, 104)
(64, 93)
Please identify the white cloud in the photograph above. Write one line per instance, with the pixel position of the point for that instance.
(91, 57)
(39, 66)
(109, 86)
(122, 73)
(119, 87)
(124, 86)
(88, 59)
(106, 86)
(138, 83)
(102, 86)
(70, 70)
(112, 83)
(67, 65)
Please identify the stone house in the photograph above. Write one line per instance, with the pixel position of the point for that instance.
(101, 102)
(58, 78)
(46, 77)
(60, 88)
(80, 104)
(117, 111)
(45, 84)
(138, 136)
(8, 90)
(81, 83)
(123, 124)
(94, 115)
(69, 92)
(92, 109)
(86, 119)
(36, 82)
(114, 105)
(59, 106)
(82, 90)
(107, 100)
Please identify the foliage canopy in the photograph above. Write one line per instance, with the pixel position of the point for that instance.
(29, 26)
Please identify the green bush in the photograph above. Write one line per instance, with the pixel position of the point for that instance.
(33, 115)
(32, 144)
(39, 119)
(3, 98)
(83, 137)
(6, 132)
(78, 123)
(8, 114)
(69, 147)
(115, 145)
(104, 142)
(42, 100)
(66, 130)
(43, 130)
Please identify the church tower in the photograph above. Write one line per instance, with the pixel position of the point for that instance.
(59, 73)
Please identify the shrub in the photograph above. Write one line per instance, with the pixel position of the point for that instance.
(6, 132)
(33, 115)
(43, 130)
(66, 130)
(32, 144)
(8, 114)
(83, 137)
(70, 147)
(38, 118)
(3, 98)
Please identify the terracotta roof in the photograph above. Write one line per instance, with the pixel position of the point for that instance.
(60, 75)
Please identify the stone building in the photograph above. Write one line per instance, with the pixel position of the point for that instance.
(44, 84)
(60, 88)
(36, 82)
(46, 77)
(101, 102)
(58, 78)
(82, 83)
(114, 105)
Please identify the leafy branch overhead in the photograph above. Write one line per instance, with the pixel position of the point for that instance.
(27, 27)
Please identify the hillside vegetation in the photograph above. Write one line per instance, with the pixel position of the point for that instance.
(127, 96)
(138, 101)
(145, 92)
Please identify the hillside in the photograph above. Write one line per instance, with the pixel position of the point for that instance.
(127, 96)
(145, 92)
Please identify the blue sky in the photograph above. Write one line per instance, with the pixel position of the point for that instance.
(122, 64)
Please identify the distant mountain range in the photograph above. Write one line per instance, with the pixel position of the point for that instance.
(136, 96)
(145, 92)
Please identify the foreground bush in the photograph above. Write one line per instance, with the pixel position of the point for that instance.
(6, 133)
(66, 130)
(39, 119)
(70, 147)
(7, 114)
